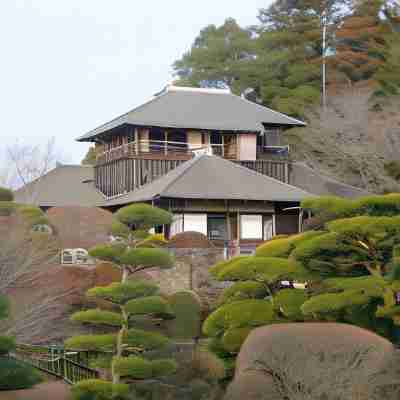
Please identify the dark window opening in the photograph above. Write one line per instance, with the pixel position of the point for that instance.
(157, 138)
(216, 227)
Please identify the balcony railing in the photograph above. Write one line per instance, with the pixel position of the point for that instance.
(146, 147)
(161, 148)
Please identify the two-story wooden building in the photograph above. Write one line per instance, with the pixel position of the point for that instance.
(215, 160)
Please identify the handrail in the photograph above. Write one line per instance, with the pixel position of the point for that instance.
(57, 363)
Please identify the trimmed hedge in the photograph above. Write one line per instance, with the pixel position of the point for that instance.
(7, 208)
(242, 291)
(150, 305)
(187, 310)
(6, 194)
(14, 375)
(120, 293)
(145, 340)
(147, 257)
(96, 389)
(92, 342)
(267, 269)
(98, 316)
(284, 246)
(139, 368)
(289, 301)
(143, 215)
(7, 344)
(240, 314)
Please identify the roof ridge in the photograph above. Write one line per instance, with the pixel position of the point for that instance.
(237, 165)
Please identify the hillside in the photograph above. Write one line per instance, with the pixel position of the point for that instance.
(353, 141)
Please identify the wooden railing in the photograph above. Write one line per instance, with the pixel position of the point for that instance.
(143, 147)
(162, 148)
(55, 361)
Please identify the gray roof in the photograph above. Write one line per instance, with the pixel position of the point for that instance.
(65, 185)
(313, 181)
(211, 177)
(198, 109)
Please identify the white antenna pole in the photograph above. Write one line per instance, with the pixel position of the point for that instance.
(324, 60)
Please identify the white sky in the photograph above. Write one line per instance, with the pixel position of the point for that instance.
(67, 66)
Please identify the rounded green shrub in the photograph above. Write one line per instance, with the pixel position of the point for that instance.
(187, 310)
(289, 301)
(150, 305)
(7, 344)
(147, 257)
(240, 314)
(134, 367)
(31, 213)
(163, 367)
(15, 375)
(234, 338)
(144, 340)
(266, 269)
(92, 342)
(7, 208)
(6, 194)
(242, 291)
(284, 246)
(143, 215)
(98, 316)
(96, 389)
(120, 293)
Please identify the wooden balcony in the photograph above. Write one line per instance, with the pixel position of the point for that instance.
(164, 150)
(148, 149)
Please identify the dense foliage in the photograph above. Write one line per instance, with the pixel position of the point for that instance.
(13, 374)
(348, 271)
(124, 302)
(278, 61)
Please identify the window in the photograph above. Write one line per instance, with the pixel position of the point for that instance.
(195, 223)
(217, 229)
(251, 227)
(76, 256)
(67, 257)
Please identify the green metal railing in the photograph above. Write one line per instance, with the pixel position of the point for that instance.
(55, 361)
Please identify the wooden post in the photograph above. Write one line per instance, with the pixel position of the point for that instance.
(165, 142)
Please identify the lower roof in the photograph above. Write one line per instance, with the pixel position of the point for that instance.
(213, 178)
(205, 177)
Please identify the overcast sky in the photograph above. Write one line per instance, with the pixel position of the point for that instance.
(67, 66)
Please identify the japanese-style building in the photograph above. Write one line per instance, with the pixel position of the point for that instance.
(215, 160)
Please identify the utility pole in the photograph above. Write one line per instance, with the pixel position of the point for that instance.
(324, 28)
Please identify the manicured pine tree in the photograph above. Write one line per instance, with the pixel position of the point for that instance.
(351, 268)
(132, 251)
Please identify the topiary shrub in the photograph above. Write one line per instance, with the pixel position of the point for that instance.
(7, 208)
(14, 375)
(186, 306)
(7, 344)
(96, 389)
(242, 291)
(393, 169)
(6, 194)
(190, 240)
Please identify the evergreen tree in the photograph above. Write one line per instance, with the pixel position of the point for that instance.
(218, 57)
(90, 157)
(347, 272)
(130, 300)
